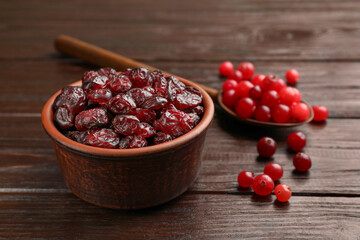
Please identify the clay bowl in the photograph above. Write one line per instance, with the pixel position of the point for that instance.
(130, 178)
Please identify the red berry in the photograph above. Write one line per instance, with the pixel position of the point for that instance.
(268, 82)
(266, 147)
(161, 137)
(121, 104)
(245, 107)
(229, 84)
(243, 89)
(104, 138)
(73, 98)
(125, 124)
(289, 95)
(245, 179)
(236, 75)
(91, 119)
(64, 118)
(320, 113)
(299, 111)
(133, 141)
(230, 98)
(278, 85)
(292, 76)
(258, 79)
(255, 92)
(282, 192)
(262, 113)
(187, 100)
(226, 68)
(247, 69)
(262, 185)
(274, 170)
(296, 141)
(281, 113)
(302, 162)
(270, 98)
(140, 77)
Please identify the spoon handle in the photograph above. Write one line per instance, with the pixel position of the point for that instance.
(104, 58)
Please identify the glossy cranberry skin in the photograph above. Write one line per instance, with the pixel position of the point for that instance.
(125, 124)
(230, 98)
(144, 115)
(139, 95)
(161, 137)
(101, 96)
(299, 111)
(292, 76)
(226, 68)
(104, 138)
(187, 99)
(270, 98)
(229, 84)
(289, 95)
(281, 113)
(268, 82)
(255, 92)
(140, 77)
(274, 170)
(73, 98)
(278, 85)
(282, 192)
(175, 86)
(266, 147)
(145, 129)
(262, 113)
(177, 123)
(247, 69)
(243, 89)
(257, 80)
(119, 84)
(78, 136)
(64, 118)
(262, 185)
(91, 119)
(296, 141)
(321, 113)
(245, 107)
(133, 141)
(155, 102)
(302, 162)
(245, 179)
(107, 72)
(121, 104)
(236, 75)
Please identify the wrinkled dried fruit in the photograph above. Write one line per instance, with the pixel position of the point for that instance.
(121, 104)
(187, 100)
(99, 82)
(139, 95)
(103, 137)
(119, 84)
(161, 137)
(133, 141)
(71, 97)
(199, 110)
(140, 77)
(176, 123)
(101, 96)
(144, 115)
(125, 124)
(64, 118)
(107, 72)
(154, 102)
(174, 87)
(145, 129)
(91, 119)
(78, 136)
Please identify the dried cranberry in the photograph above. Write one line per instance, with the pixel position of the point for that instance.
(176, 123)
(167, 107)
(140, 77)
(91, 119)
(199, 110)
(145, 129)
(126, 72)
(107, 72)
(139, 95)
(144, 115)
(133, 141)
(161, 137)
(99, 82)
(156, 75)
(187, 100)
(121, 104)
(154, 102)
(174, 87)
(89, 76)
(71, 97)
(120, 83)
(150, 90)
(64, 118)
(101, 96)
(156, 125)
(103, 137)
(78, 136)
(193, 90)
(125, 124)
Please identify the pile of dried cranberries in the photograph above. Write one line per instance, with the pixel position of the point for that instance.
(133, 109)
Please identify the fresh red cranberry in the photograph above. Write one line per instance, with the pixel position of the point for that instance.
(245, 179)
(64, 118)
(140, 77)
(299, 111)
(236, 75)
(255, 92)
(133, 141)
(289, 95)
(282, 192)
(91, 119)
(125, 124)
(247, 69)
(296, 141)
(280, 114)
(243, 89)
(266, 147)
(73, 98)
(78, 136)
(187, 99)
(292, 76)
(245, 107)
(270, 98)
(274, 170)
(120, 84)
(161, 137)
(302, 162)
(121, 104)
(104, 138)
(145, 130)
(101, 96)
(144, 115)
(230, 98)
(268, 82)
(321, 113)
(262, 185)
(278, 85)
(262, 113)
(229, 84)
(257, 80)
(226, 68)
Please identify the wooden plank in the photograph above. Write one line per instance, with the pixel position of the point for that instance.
(205, 30)
(191, 216)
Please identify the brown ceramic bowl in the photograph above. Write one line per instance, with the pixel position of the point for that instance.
(130, 178)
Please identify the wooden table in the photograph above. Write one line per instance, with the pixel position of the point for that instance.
(189, 38)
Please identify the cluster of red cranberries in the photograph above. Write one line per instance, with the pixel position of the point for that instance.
(265, 98)
(263, 184)
(133, 109)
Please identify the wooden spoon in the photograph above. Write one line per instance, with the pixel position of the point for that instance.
(104, 58)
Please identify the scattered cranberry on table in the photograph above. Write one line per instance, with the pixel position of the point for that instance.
(132, 109)
(296, 141)
(226, 68)
(282, 192)
(292, 76)
(302, 162)
(245, 179)
(262, 185)
(266, 147)
(320, 113)
(274, 170)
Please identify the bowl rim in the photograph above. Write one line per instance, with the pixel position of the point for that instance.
(56, 135)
